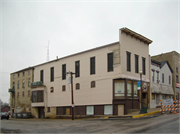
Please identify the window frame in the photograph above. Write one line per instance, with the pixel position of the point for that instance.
(128, 61)
(77, 69)
(143, 66)
(51, 74)
(162, 77)
(42, 76)
(93, 84)
(110, 58)
(92, 65)
(63, 71)
(77, 86)
(37, 98)
(136, 63)
(63, 88)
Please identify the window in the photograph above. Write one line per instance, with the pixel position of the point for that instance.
(119, 88)
(135, 90)
(42, 76)
(23, 73)
(37, 96)
(92, 65)
(18, 75)
(24, 109)
(177, 79)
(13, 85)
(18, 84)
(48, 109)
(163, 96)
(30, 109)
(144, 66)
(157, 76)
(51, 89)
(169, 80)
(136, 64)
(64, 88)
(64, 71)
(153, 75)
(13, 76)
(128, 61)
(29, 72)
(129, 89)
(23, 84)
(89, 110)
(110, 62)
(176, 69)
(162, 78)
(93, 84)
(28, 93)
(29, 82)
(52, 74)
(153, 96)
(23, 94)
(17, 94)
(77, 69)
(77, 86)
(34, 96)
(108, 109)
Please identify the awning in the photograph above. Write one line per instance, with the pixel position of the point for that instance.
(177, 90)
(162, 89)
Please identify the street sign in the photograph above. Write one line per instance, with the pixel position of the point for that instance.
(138, 85)
(168, 102)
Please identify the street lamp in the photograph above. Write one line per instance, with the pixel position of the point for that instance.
(141, 110)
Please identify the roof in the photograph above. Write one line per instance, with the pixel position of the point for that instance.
(3, 106)
(164, 62)
(23, 70)
(156, 62)
(136, 35)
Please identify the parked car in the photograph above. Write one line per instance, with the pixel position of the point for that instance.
(4, 115)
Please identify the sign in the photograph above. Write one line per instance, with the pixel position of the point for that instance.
(138, 85)
(177, 84)
(144, 87)
(168, 102)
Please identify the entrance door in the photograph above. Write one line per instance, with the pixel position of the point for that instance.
(120, 110)
(41, 112)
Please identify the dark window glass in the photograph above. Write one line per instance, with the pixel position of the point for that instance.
(177, 79)
(136, 64)
(110, 62)
(34, 94)
(162, 78)
(64, 71)
(52, 73)
(40, 96)
(42, 76)
(92, 65)
(23, 94)
(128, 61)
(48, 110)
(77, 86)
(63, 88)
(93, 84)
(153, 75)
(144, 66)
(169, 80)
(77, 68)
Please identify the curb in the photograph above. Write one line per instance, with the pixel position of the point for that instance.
(142, 115)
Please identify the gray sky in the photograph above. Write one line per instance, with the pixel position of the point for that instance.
(74, 26)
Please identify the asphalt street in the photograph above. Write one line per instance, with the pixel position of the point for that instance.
(167, 123)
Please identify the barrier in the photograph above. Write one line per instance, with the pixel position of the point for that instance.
(170, 105)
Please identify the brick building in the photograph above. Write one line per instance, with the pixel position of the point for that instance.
(174, 60)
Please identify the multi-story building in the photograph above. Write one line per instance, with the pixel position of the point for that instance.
(105, 79)
(20, 90)
(161, 82)
(174, 60)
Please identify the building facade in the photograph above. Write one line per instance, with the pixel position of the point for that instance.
(20, 90)
(174, 60)
(161, 82)
(104, 83)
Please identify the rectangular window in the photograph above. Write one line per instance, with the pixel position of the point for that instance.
(23, 73)
(17, 94)
(34, 95)
(163, 96)
(29, 72)
(144, 66)
(28, 93)
(18, 75)
(23, 85)
(128, 61)
(77, 68)
(52, 74)
(162, 78)
(119, 88)
(23, 94)
(18, 84)
(64, 88)
(157, 76)
(136, 64)
(42, 76)
(13, 76)
(110, 62)
(64, 71)
(153, 75)
(135, 90)
(129, 89)
(169, 80)
(153, 96)
(29, 82)
(92, 65)
(48, 109)
(108, 109)
(39, 96)
(89, 110)
(177, 79)
(176, 69)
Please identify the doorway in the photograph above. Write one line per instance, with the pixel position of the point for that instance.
(120, 110)
(41, 112)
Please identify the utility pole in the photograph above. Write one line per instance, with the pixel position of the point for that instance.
(72, 96)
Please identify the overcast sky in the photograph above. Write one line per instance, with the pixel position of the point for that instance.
(74, 26)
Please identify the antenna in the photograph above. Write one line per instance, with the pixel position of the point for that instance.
(47, 52)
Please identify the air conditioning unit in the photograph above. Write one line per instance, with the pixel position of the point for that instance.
(158, 81)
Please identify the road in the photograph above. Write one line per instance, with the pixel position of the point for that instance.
(167, 123)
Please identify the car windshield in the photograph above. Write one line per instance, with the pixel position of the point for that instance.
(3, 113)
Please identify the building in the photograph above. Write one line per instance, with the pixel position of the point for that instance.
(104, 83)
(161, 82)
(20, 90)
(174, 60)
(5, 108)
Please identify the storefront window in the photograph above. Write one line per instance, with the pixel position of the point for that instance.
(135, 90)
(119, 88)
(129, 89)
(34, 96)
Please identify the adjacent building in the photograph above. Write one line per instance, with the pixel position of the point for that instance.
(20, 90)
(174, 60)
(104, 83)
(161, 82)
